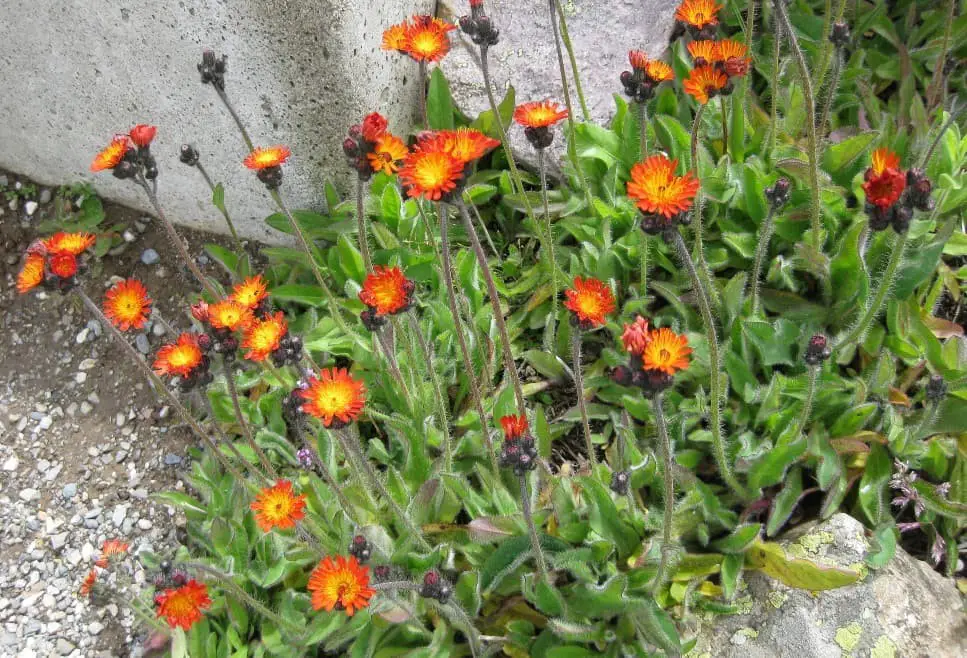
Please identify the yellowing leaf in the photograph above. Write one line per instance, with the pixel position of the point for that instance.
(771, 559)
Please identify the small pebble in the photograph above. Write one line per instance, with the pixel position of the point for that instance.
(150, 257)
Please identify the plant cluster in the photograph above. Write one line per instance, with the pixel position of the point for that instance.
(721, 321)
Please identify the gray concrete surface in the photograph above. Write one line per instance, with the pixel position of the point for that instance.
(74, 72)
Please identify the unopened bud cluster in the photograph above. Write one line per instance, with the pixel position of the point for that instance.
(478, 25)
(936, 389)
(778, 194)
(839, 36)
(620, 481)
(212, 69)
(817, 351)
(436, 587)
(519, 453)
(360, 549)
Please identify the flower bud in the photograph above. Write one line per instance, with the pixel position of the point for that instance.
(817, 350)
(936, 389)
(188, 155)
(619, 482)
(839, 36)
(359, 548)
(778, 194)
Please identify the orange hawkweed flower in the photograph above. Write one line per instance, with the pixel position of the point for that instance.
(278, 507)
(636, 336)
(659, 71)
(704, 81)
(374, 125)
(698, 13)
(394, 37)
(386, 290)
(63, 265)
(31, 274)
(127, 305)
(142, 135)
(541, 114)
(341, 584)
(426, 39)
(514, 426)
(657, 190)
(590, 300)
(179, 358)
(229, 315)
(734, 55)
(464, 144)
(111, 156)
(335, 397)
(666, 351)
(111, 549)
(69, 243)
(182, 606)
(704, 52)
(263, 337)
(263, 158)
(884, 181)
(250, 292)
(387, 153)
(87, 585)
(432, 174)
(638, 59)
(883, 159)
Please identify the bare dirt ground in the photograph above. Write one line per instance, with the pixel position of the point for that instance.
(84, 443)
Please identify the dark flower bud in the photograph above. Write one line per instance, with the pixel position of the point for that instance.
(627, 79)
(880, 218)
(619, 482)
(817, 350)
(468, 25)
(435, 587)
(936, 389)
(350, 147)
(540, 138)
(839, 36)
(271, 177)
(919, 188)
(707, 33)
(622, 375)
(381, 573)
(644, 91)
(151, 172)
(165, 567)
(370, 320)
(179, 578)
(359, 548)
(212, 69)
(902, 216)
(204, 342)
(188, 155)
(778, 194)
(125, 169)
(355, 131)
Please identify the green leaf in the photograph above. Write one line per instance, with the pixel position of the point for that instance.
(737, 123)
(657, 626)
(740, 539)
(218, 197)
(192, 508)
(838, 158)
(729, 575)
(227, 258)
(350, 259)
(774, 342)
(873, 484)
(299, 293)
(771, 559)
(851, 421)
(439, 103)
(938, 504)
(604, 518)
(785, 502)
(771, 467)
(547, 364)
(883, 546)
(673, 136)
(510, 552)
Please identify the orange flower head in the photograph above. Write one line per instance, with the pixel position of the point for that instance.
(514, 426)
(387, 153)
(278, 507)
(64, 265)
(394, 37)
(464, 144)
(431, 174)
(264, 158)
(374, 125)
(110, 550)
(539, 114)
(386, 290)
(87, 585)
(590, 300)
(127, 305)
(704, 81)
(142, 135)
(335, 397)
(263, 337)
(427, 40)
(638, 59)
(636, 336)
(250, 292)
(111, 156)
(179, 358)
(31, 274)
(703, 52)
(229, 315)
(666, 351)
(883, 159)
(182, 606)
(734, 55)
(884, 180)
(659, 71)
(340, 584)
(69, 243)
(657, 190)
(698, 13)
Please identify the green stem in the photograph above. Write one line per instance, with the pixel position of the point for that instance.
(774, 88)
(873, 309)
(954, 114)
(643, 130)
(830, 96)
(239, 248)
(582, 403)
(423, 86)
(827, 44)
(761, 251)
(231, 444)
(807, 405)
(549, 243)
(394, 366)
(697, 226)
(668, 478)
(566, 38)
(715, 370)
(525, 502)
(361, 226)
(246, 430)
(725, 126)
(935, 88)
(441, 401)
(812, 152)
(327, 477)
(644, 244)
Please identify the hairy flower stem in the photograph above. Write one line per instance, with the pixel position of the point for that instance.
(830, 95)
(827, 44)
(159, 385)
(394, 366)
(697, 227)
(458, 612)
(566, 38)
(351, 446)
(240, 417)
(423, 92)
(715, 369)
(725, 126)
(644, 244)
(812, 150)
(310, 254)
(875, 306)
(643, 130)
(582, 403)
(327, 477)
(761, 251)
(239, 248)
(238, 121)
(926, 421)
(549, 244)
(361, 225)
(525, 503)
(495, 303)
(807, 404)
(175, 239)
(774, 88)
(935, 89)
(668, 477)
(229, 443)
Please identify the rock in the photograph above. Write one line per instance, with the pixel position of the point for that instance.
(904, 609)
(129, 236)
(28, 495)
(11, 463)
(87, 364)
(64, 648)
(58, 541)
(30, 208)
(69, 491)
(45, 195)
(150, 256)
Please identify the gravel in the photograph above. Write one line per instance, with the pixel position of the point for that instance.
(150, 256)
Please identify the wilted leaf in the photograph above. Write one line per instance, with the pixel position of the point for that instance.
(771, 559)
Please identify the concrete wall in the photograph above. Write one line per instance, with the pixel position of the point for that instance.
(74, 72)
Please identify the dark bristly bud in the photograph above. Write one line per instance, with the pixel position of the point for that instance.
(271, 177)
(151, 172)
(381, 573)
(188, 155)
(350, 148)
(817, 350)
(839, 36)
(902, 216)
(918, 191)
(125, 169)
(179, 578)
(778, 194)
(435, 587)
(619, 482)
(880, 218)
(359, 548)
(212, 69)
(165, 568)
(622, 375)
(540, 138)
(370, 320)
(936, 389)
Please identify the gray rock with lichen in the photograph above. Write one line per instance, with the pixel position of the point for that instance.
(903, 609)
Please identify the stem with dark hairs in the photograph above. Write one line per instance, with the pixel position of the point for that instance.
(582, 403)
(229, 443)
(159, 385)
(812, 149)
(525, 502)
(644, 245)
(715, 369)
(549, 228)
(174, 238)
(238, 121)
(222, 210)
(423, 92)
(725, 126)
(495, 303)
(566, 38)
(361, 227)
(643, 128)
(668, 477)
(774, 87)
(697, 227)
(327, 477)
(761, 250)
(807, 404)
(954, 114)
(246, 430)
(824, 58)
